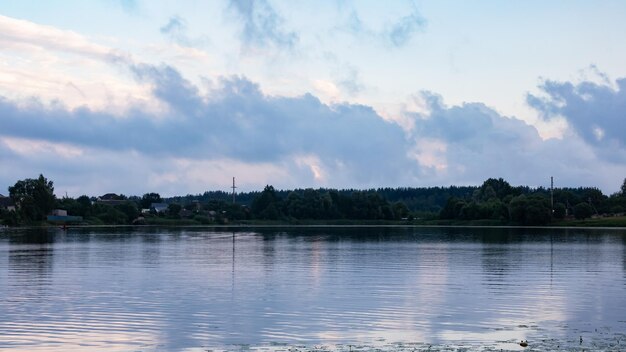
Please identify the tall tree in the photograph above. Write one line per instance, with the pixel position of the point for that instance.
(150, 198)
(583, 211)
(495, 188)
(267, 205)
(33, 197)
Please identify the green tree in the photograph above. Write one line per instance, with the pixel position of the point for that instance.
(174, 209)
(559, 211)
(492, 187)
(85, 207)
(69, 204)
(497, 210)
(34, 198)
(487, 193)
(623, 188)
(582, 211)
(452, 209)
(267, 204)
(236, 211)
(110, 215)
(400, 210)
(538, 212)
(150, 198)
(10, 218)
(294, 205)
(530, 210)
(129, 209)
(618, 209)
(470, 211)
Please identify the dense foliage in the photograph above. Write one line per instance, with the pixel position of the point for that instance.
(34, 199)
(495, 200)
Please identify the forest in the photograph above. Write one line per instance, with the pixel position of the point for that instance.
(30, 201)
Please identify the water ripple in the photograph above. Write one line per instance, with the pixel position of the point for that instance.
(397, 289)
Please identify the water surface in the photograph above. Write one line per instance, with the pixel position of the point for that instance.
(324, 288)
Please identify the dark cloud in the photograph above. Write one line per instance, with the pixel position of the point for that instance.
(471, 123)
(596, 112)
(235, 121)
(262, 26)
(351, 145)
(480, 143)
(94, 172)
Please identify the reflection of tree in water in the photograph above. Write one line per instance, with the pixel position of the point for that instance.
(496, 252)
(32, 236)
(624, 251)
(30, 259)
(269, 251)
(151, 249)
(496, 263)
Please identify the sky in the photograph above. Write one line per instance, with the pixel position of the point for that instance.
(178, 97)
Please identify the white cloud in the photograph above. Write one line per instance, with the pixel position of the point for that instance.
(56, 65)
(430, 153)
(40, 147)
(327, 90)
(314, 164)
(262, 26)
(185, 137)
(235, 129)
(24, 35)
(594, 111)
(392, 31)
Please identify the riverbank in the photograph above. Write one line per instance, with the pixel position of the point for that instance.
(610, 222)
(617, 222)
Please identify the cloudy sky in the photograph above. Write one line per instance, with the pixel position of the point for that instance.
(177, 97)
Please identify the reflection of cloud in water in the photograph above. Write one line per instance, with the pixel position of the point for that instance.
(188, 289)
(79, 335)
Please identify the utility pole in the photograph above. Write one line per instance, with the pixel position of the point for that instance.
(552, 194)
(234, 187)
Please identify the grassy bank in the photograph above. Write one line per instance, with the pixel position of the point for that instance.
(156, 221)
(617, 221)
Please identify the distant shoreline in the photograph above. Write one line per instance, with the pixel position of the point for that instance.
(319, 225)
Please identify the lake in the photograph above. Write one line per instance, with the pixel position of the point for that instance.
(317, 288)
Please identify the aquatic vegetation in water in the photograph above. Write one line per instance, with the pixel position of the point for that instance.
(599, 340)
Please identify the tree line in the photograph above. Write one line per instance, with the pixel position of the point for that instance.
(495, 200)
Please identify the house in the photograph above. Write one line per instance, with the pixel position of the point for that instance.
(159, 207)
(60, 216)
(6, 203)
(109, 196)
(59, 212)
(111, 199)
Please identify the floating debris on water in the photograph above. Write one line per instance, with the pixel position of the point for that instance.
(539, 343)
